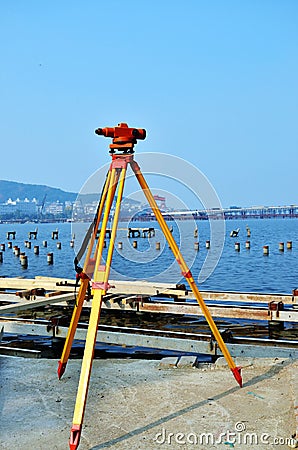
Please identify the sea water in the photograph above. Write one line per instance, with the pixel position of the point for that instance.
(242, 271)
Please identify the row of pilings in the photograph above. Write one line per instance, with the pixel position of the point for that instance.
(23, 258)
(132, 232)
(32, 236)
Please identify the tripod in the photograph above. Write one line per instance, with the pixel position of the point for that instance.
(122, 150)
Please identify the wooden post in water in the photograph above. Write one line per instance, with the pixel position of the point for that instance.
(23, 260)
(50, 258)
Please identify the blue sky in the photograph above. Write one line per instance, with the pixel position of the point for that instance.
(214, 82)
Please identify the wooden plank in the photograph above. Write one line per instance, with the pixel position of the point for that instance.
(30, 304)
(145, 288)
(26, 284)
(247, 297)
(228, 312)
(127, 303)
(53, 294)
(251, 313)
(155, 289)
(53, 279)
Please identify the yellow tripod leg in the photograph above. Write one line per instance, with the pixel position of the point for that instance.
(78, 416)
(72, 327)
(115, 223)
(113, 181)
(186, 272)
(99, 292)
(83, 289)
(98, 219)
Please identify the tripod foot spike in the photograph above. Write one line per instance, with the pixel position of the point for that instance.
(61, 369)
(237, 374)
(75, 435)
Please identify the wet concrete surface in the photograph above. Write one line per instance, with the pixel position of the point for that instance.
(139, 404)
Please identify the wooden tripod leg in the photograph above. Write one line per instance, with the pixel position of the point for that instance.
(79, 411)
(186, 272)
(100, 286)
(72, 327)
(98, 219)
(113, 182)
(115, 223)
(83, 288)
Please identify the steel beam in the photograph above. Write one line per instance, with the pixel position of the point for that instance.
(157, 341)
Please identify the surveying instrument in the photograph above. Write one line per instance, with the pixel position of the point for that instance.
(96, 270)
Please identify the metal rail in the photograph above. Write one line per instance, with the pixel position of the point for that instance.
(156, 339)
(138, 303)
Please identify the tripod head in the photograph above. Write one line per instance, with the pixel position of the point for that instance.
(124, 138)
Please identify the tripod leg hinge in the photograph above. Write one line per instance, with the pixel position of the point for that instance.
(120, 161)
(75, 435)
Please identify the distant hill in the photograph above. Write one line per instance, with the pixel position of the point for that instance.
(14, 190)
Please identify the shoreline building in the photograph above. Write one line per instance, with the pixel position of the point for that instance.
(19, 207)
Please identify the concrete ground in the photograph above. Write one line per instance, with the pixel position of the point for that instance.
(138, 404)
